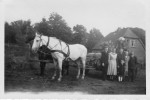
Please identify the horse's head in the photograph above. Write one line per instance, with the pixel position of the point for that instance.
(37, 42)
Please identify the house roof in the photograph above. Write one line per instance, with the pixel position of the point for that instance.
(113, 36)
(130, 34)
(125, 32)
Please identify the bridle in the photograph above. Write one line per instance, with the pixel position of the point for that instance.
(39, 40)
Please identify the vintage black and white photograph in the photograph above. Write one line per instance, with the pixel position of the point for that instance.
(87, 47)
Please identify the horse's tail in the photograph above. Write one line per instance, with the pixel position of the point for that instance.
(83, 59)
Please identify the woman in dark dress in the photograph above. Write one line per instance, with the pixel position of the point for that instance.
(121, 64)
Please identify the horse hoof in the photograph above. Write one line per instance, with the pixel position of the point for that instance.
(53, 78)
(59, 80)
(82, 78)
(77, 77)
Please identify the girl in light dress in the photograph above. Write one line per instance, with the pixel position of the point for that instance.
(112, 66)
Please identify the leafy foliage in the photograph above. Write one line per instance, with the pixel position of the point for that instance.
(42, 27)
(59, 28)
(80, 34)
(55, 26)
(16, 32)
(9, 34)
(94, 37)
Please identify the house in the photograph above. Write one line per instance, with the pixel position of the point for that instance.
(132, 42)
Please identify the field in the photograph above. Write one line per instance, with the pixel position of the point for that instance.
(25, 78)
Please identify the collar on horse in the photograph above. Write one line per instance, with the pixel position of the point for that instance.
(60, 51)
(47, 42)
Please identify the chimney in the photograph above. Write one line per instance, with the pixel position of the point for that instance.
(119, 28)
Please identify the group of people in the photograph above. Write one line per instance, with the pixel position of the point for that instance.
(121, 65)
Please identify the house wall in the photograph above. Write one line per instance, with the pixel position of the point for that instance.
(138, 49)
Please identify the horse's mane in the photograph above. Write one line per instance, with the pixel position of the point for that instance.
(58, 39)
(54, 37)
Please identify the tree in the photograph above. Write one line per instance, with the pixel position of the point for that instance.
(16, 32)
(9, 34)
(30, 34)
(55, 26)
(43, 27)
(80, 34)
(94, 37)
(59, 28)
(20, 29)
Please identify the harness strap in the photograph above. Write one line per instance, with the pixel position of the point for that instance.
(47, 42)
(60, 43)
(60, 51)
(68, 53)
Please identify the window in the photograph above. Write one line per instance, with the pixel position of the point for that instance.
(133, 42)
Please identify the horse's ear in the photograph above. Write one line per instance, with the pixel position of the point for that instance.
(41, 34)
(37, 33)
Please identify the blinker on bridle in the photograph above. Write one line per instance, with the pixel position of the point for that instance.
(41, 39)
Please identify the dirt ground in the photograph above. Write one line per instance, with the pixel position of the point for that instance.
(27, 79)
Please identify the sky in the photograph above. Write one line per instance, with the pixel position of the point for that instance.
(105, 15)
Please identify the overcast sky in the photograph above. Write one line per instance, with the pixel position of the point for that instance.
(105, 15)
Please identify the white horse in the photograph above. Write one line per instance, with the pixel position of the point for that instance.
(77, 52)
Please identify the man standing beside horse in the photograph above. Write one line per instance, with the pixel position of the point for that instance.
(104, 63)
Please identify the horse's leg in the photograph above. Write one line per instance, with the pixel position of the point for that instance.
(42, 65)
(83, 64)
(55, 69)
(63, 68)
(67, 68)
(78, 74)
(60, 69)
